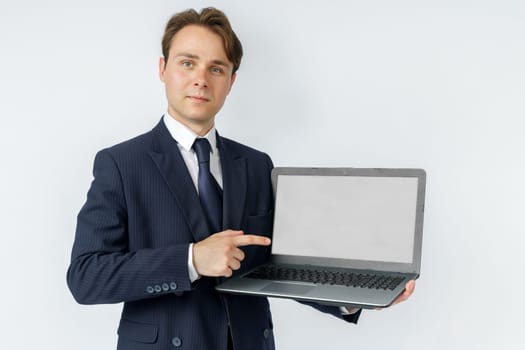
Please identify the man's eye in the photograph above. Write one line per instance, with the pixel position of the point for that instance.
(216, 70)
(187, 64)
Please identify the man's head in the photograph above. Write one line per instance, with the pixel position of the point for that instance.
(212, 19)
(201, 54)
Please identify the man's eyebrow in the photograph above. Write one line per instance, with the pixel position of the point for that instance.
(221, 63)
(185, 54)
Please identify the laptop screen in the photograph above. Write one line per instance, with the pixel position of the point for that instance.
(346, 217)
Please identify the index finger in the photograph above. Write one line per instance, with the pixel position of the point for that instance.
(241, 241)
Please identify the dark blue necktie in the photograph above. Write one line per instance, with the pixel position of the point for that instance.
(210, 193)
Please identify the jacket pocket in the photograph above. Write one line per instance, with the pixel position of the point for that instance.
(139, 332)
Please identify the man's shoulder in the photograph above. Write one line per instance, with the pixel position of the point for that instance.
(243, 150)
(132, 148)
(142, 141)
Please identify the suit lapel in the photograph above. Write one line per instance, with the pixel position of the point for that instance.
(234, 178)
(170, 164)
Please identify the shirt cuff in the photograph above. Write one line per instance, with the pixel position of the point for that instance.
(348, 311)
(192, 272)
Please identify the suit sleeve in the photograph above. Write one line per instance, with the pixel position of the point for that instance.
(102, 268)
(335, 311)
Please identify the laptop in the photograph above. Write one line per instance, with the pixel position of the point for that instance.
(341, 236)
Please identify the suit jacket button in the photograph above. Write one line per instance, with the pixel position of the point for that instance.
(150, 289)
(165, 287)
(173, 285)
(266, 333)
(158, 289)
(176, 341)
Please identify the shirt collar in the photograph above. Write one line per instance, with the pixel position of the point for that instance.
(185, 136)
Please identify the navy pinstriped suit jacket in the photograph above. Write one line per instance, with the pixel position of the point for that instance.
(131, 245)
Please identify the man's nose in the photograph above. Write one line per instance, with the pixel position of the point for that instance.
(200, 78)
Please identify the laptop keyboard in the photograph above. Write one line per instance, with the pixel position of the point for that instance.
(321, 276)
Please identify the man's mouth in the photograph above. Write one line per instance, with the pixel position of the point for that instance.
(198, 99)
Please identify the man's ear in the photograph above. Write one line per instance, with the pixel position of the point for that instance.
(162, 68)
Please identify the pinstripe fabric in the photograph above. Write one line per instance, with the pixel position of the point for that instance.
(131, 245)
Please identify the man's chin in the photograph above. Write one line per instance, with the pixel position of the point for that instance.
(194, 118)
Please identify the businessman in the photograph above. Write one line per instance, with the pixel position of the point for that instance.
(172, 212)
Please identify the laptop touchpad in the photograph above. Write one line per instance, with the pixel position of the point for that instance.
(287, 288)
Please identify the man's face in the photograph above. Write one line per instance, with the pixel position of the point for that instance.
(197, 77)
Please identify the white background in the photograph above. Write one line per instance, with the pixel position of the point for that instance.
(432, 84)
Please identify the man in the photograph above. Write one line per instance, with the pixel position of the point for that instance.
(173, 211)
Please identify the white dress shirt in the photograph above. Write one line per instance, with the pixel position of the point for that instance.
(185, 139)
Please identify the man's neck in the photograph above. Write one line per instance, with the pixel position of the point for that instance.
(199, 129)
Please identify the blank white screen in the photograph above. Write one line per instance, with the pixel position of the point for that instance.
(347, 217)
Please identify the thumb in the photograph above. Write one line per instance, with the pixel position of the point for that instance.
(229, 233)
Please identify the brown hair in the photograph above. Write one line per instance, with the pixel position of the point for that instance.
(210, 18)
